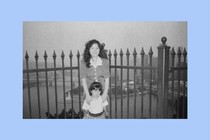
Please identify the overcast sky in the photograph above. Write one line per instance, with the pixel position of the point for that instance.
(68, 36)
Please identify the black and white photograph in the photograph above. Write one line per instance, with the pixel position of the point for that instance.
(140, 68)
(105, 70)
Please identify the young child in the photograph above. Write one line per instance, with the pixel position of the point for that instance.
(96, 109)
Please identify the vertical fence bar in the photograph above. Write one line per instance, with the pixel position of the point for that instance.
(166, 76)
(184, 94)
(28, 84)
(160, 82)
(121, 83)
(55, 80)
(127, 54)
(37, 80)
(150, 83)
(46, 82)
(78, 60)
(115, 72)
(142, 82)
(134, 57)
(163, 68)
(179, 79)
(156, 113)
(72, 98)
(172, 77)
(63, 72)
(110, 86)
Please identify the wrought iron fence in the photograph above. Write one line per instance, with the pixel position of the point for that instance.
(149, 87)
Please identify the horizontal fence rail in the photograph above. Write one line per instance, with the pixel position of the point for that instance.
(141, 85)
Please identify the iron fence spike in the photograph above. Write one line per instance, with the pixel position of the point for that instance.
(127, 53)
(115, 53)
(184, 52)
(121, 52)
(172, 51)
(78, 54)
(36, 55)
(134, 52)
(179, 52)
(142, 51)
(70, 55)
(54, 55)
(45, 54)
(110, 54)
(26, 56)
(62, 55)
(150, 51)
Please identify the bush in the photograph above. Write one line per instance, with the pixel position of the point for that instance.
(71, 114)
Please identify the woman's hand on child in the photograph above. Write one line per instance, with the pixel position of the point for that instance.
(106, 114)
(104, 98)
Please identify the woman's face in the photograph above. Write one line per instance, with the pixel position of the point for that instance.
(94, 50)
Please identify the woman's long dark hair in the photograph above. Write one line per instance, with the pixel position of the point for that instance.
(87, 55)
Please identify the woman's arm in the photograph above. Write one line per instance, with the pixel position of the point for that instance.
(106, 87)
(106, 75)
(106, 108)
(84, 83)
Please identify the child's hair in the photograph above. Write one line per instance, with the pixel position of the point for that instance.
(95, 85)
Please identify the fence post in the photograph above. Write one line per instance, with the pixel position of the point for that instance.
(163, 72)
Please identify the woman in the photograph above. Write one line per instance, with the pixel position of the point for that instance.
(95, 67)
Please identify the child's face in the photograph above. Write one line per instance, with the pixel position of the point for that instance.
(95, 92)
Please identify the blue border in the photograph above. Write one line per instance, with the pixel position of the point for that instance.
(13, 13)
